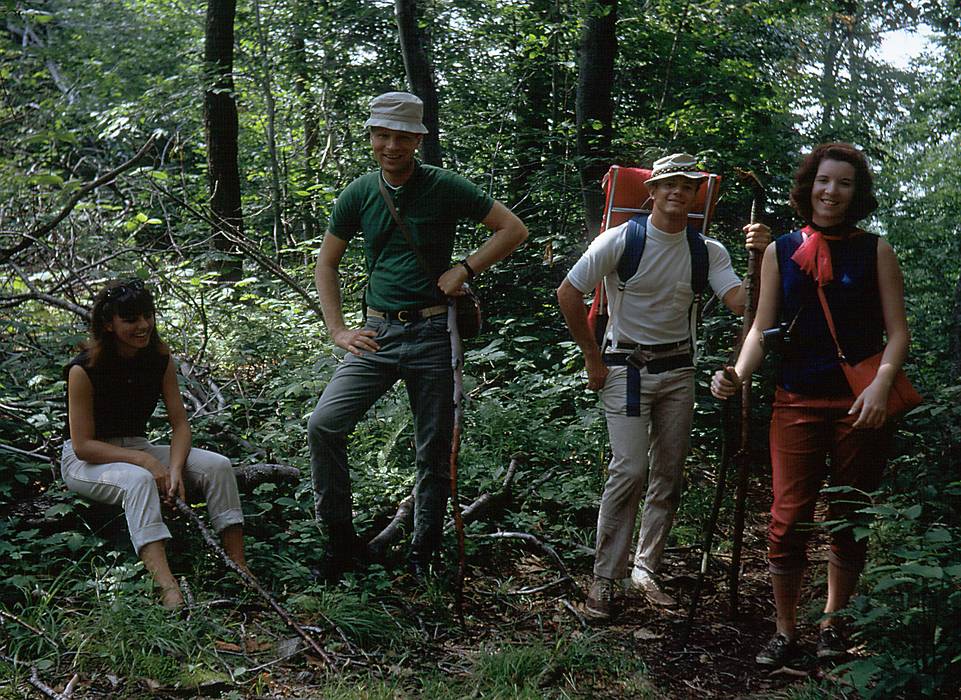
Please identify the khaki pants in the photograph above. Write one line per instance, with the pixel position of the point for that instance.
(647, 449)
(133, 487)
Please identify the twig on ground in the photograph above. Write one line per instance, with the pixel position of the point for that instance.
(575, 612)
(37, 631)
(533, 542)
(251, 582)
(530, 590)
(35, 681)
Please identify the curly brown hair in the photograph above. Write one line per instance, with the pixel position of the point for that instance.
(124, 298)
(863, 202)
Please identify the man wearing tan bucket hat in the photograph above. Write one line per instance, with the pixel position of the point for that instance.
(405, 334)
(645, 372)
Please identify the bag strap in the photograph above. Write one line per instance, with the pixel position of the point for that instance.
(635, 239)
(421, 260)
(830, 320)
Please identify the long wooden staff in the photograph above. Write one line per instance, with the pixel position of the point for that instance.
(743, 457)
(727, 454)
(457, 364)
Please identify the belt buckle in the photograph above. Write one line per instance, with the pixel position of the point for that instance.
(638, 358)
(404, 316)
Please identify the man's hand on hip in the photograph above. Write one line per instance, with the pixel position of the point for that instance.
(356, 341)
(597, 373)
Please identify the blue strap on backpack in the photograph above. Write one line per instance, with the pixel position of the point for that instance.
(636, 238)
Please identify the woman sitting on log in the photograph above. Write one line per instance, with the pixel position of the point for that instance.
(112, 390)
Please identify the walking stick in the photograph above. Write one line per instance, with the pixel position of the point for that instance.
(457, 364)
(741, 456)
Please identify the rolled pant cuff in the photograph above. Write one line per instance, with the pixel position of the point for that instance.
(855, 564)
(234, 516)
(784, 567)
(148, 534)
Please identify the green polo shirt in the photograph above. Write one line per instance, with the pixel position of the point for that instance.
(431, 203)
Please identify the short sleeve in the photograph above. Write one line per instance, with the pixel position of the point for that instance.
(599, 260)
(721, 273)
(344, 221)
(471, 201)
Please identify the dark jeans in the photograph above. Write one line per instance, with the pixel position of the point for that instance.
(418, 353)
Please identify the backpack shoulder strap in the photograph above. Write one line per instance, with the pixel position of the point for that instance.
(700, 263)
(635, 238)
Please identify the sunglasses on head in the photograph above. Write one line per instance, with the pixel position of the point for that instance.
(125, 290)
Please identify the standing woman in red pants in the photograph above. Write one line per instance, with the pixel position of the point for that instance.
(819, 428)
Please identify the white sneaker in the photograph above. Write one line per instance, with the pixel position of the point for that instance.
(641, 580)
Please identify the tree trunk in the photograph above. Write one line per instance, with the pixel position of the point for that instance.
(595, 106)
(955, 326)
(276, 196)
(220, 121)
(420, 76)
(309, 117)
(829, 86)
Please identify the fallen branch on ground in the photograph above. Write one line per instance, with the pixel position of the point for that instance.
(251, 582)
(252, 475)
(404, 517)
(395, 529)
(536, 544)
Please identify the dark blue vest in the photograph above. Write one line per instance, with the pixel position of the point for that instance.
(809, 364)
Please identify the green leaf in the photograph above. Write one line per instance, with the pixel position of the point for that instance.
(924, 570)
(58, 509)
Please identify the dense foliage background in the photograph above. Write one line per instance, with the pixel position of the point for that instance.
(746, 85)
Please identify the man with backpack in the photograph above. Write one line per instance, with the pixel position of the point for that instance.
(645, 367)
(406, 214)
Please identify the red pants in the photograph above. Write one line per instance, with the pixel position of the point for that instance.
(805, 431)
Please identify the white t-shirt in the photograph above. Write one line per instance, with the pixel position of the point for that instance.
(657, 298)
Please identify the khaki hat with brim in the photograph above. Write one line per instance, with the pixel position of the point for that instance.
(400, 111)
(683, 164)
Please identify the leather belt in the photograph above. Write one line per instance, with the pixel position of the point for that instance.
(408, 315)
(654, 365)
(663, 347)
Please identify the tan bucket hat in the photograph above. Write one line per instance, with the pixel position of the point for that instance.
(683, 164)
(400, 111)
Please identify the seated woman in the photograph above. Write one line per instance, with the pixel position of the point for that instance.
(112, 390)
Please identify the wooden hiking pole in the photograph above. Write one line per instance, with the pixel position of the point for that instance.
(728, 455)
(742, 458)
(457, 364)
(726, 443)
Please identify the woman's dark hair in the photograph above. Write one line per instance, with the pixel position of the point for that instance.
(863, 202)
(127, 299)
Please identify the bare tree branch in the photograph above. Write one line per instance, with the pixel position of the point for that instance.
(43, 229)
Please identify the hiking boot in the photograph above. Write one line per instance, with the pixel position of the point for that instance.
(831, 644)
(600, 599)
(641, 580)
(777, 651)
(342, 554)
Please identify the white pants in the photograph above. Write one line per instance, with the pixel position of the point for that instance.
(649, 448)
(133, 487)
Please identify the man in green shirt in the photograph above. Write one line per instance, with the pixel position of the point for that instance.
(405, 333)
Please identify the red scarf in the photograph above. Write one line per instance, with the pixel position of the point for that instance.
(813, 256)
